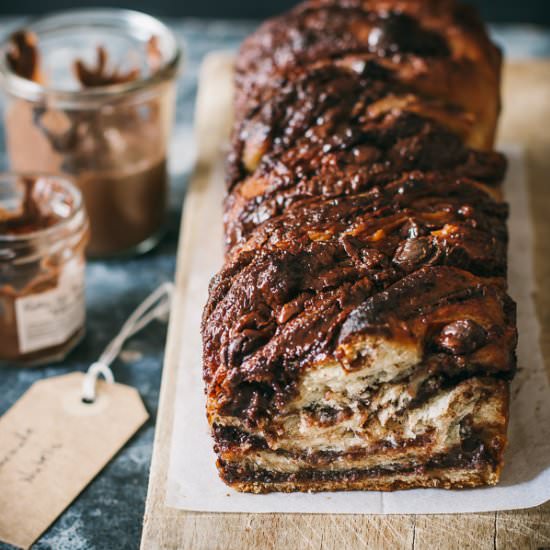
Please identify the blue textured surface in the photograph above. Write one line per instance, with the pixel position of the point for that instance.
(108, 514)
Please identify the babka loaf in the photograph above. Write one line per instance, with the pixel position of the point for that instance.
(359, 335)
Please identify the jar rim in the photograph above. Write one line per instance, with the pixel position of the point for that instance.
(114, 18)
(49, 232)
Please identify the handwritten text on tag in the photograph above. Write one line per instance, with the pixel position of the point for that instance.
(52, 445)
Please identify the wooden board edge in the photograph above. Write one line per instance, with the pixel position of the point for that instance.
(206, 123)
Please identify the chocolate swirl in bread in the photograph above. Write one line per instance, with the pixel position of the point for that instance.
(359, 335)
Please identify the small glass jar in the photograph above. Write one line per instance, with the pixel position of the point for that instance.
(44, 231)
(90, 94)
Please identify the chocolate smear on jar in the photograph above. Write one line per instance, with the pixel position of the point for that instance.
(23, 57)
(43, 234)
(100, 75)
(33, 215)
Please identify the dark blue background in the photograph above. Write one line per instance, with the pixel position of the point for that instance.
(525, 11)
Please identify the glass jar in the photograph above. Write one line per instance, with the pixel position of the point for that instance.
(44, 231)
(90, 94)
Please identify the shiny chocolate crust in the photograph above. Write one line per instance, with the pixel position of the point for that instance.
(437, 47)
(362, 310)
(291, 311)
(362, 130)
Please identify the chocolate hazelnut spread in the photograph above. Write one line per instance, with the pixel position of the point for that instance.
(43, 233)
(34, 213)
(122, 176)
(105, 125)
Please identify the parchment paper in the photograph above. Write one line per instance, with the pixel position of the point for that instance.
(193, 483)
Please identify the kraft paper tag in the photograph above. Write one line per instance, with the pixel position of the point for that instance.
(52, 445)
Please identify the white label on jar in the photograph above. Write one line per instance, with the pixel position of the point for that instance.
(50, 318)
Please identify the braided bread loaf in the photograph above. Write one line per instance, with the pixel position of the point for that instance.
(359, 335)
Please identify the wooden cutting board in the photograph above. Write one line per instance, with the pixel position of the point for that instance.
(526, 120)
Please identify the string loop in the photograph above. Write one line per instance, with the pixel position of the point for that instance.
(155, 306)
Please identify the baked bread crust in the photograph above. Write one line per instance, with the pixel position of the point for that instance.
(439, 48)
(359, 335)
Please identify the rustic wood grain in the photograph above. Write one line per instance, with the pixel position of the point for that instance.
(526, 119)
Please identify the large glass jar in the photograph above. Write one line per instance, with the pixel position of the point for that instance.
(90, 94)
(43, 235)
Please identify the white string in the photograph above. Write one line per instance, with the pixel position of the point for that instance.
(155, 306)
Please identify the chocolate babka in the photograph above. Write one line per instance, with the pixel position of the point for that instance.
(359, 335)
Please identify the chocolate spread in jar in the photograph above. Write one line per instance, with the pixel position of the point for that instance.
(31, 213)
(43, 233)
(115, 152)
